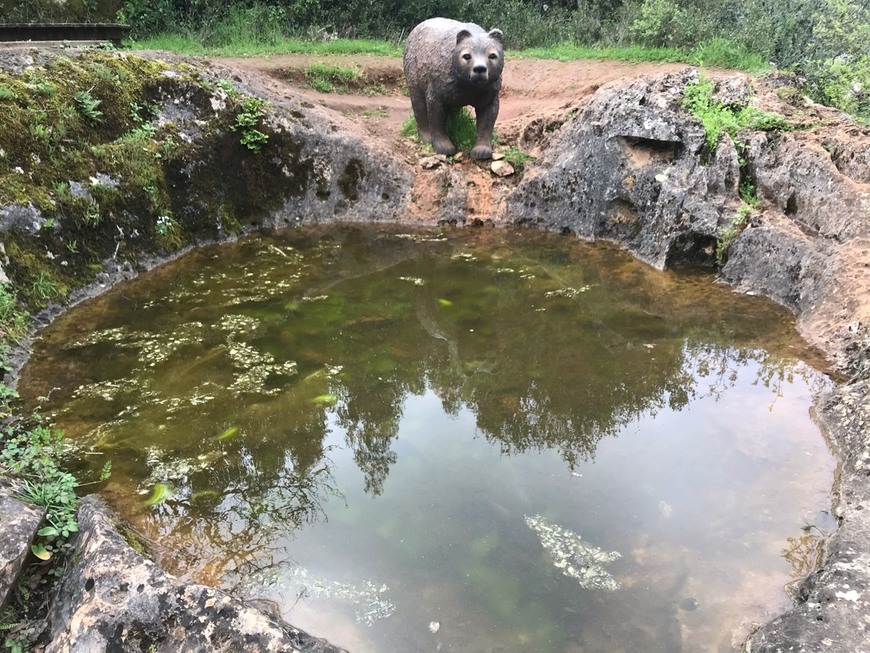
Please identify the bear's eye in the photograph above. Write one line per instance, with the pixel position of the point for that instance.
(493, 56)
(466, 56)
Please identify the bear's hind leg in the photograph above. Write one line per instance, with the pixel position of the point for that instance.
(421, 115)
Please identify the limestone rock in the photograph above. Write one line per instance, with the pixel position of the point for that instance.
(501, 168)
(431, 162)
(114, 599)
(20, 522)
(631, 168)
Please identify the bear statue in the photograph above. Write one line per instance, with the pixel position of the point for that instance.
(449, 65)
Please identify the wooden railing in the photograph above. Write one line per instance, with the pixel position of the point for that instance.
(102, 32)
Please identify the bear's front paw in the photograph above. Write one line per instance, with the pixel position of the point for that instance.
(481, 152)
(443, 146)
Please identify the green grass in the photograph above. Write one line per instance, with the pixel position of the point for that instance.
(461, 128)
(718, 53)
(573, 52)
(327, 78)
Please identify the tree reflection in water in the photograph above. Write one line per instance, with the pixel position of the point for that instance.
(550, 343)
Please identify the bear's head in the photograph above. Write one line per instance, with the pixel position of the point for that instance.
(479, 58)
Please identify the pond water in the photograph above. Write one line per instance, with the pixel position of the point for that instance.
(470, 441)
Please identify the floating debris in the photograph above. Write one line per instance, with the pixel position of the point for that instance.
(566, 292)
(230, 432)
(237, 324)
(107, 390)
(573, 557)
(367, 598)
(160, 494)
(165, 468)
(463, 256)
(434, 626)
(417, 281)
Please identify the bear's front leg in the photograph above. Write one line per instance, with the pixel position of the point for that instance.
(441, 143)
(486, 116)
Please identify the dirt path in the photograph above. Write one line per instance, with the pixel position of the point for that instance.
(532, 89)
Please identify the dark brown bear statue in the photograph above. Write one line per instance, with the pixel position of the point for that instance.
(449, 65)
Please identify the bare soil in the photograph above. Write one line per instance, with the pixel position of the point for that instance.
(537, 96)
(533, 89)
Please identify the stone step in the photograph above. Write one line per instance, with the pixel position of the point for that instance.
(20, 522)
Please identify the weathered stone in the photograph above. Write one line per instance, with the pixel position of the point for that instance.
(629, 168)
(501, 168)
(834, 603)
(20, 522)
(430, 162)
(114, 599)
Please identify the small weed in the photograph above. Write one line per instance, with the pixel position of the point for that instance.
(73, 246)
(39, 131)
(44, 288)
(166, 226)
(462, 129)
(727, 234)
(228, 87)
(140, 113)
(34, 455)
(92, 216)
(48, 224)
(42, 87)
(6, 93)
(13, 320)
(329, 78)
(517, 158)
(253, 110)
(409, 128)
(379, 112)
(61, 189)
(719, 119)
(88, 106)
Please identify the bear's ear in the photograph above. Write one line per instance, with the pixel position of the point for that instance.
(463, 34)
(498, 35)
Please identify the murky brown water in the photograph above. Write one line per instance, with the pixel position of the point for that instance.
(518, 441)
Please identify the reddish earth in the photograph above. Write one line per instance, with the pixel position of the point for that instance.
(532, 88)
(537, 94)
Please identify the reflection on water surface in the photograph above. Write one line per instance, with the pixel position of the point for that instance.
(481, 441)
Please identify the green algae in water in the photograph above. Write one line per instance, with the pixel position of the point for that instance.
(537, 443)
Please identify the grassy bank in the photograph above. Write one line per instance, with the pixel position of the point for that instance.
(718, 54)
